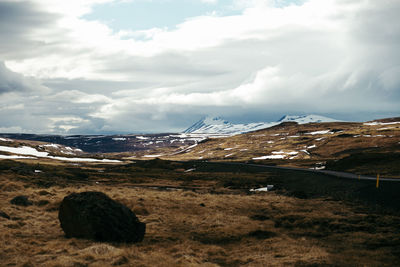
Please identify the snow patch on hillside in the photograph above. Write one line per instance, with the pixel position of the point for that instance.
(271, 157)
(15, 157)
(119, 139)
(320, 132)
(51, 145)
(6, 140)
(152, 156)
(24, 150)
(279, 155)
(381, 123)
(30, 151)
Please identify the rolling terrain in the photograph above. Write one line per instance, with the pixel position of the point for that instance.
(363, 148)
(111, 143)
(213, 202)
(205, 128)
(368, 148)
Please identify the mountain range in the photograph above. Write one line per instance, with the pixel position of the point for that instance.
(217, 125)
(207, 127)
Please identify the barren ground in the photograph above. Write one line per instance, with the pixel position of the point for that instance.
(205, 217)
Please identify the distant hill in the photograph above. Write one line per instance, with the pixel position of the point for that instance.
(109, 143)
(363, 148)
(216, 125)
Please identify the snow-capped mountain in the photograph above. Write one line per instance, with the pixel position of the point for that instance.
(211, 125)
(207, 123)
(306, 119)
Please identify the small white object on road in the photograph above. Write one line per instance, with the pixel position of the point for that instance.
(263, 189)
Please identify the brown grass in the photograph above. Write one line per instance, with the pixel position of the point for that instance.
(344, 140)
(197, 228)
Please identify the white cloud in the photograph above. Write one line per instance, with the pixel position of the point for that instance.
(75, 96)
(209, 1)
(333, 56)
(66, 123)
(84, 43)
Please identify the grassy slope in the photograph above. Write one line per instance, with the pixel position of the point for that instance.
(344, 140)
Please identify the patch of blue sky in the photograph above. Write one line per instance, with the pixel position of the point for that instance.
(284, 3)
(137, 15)
(147, 14)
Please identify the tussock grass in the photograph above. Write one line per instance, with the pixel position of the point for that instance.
(204, 223)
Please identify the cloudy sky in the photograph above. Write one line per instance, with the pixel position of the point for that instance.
(125, 66)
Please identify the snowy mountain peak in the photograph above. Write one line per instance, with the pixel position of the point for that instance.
(306, 118)
(215, 120)
(217, 125)
(206, 122)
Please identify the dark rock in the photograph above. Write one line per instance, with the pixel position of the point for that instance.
(93, 215)
(21, 201)
(4, 215)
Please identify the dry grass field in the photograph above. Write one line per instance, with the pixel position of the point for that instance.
(205, 217)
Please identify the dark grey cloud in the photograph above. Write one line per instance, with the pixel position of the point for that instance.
(18, 14)
(106, 88)
(14, 82)
(342, 62)
(19, 22)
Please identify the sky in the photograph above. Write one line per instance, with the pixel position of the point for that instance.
(145, 66)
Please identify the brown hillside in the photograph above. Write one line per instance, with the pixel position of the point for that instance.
(304, 145)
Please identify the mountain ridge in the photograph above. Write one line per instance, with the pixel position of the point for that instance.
(217, 125)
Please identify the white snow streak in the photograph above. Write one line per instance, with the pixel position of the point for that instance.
(271, 157)
(15, 157)
(26, 150)
(319, 132)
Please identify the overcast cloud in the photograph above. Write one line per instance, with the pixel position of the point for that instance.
(65, 74)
